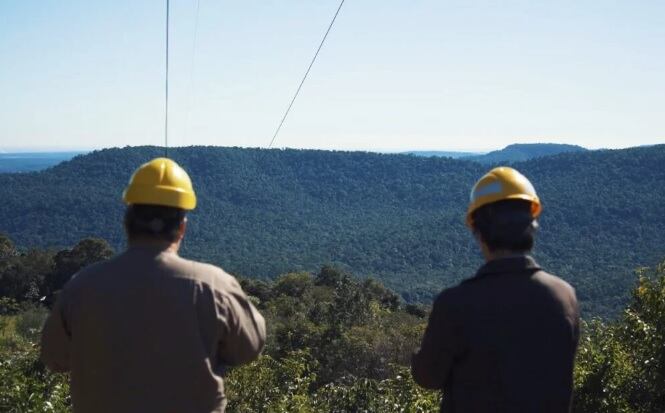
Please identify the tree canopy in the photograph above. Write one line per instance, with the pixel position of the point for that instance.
(337, 343)
(397, 218)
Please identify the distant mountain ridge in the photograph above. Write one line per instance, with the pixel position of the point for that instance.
(517, 152)
(396, 217)
(523, 152)
(447, 154)
(32, 161)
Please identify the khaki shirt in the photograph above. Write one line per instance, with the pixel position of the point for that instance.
(502, 341)
(149, 331)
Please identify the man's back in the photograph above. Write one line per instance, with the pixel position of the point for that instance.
(503, 341)
(150, 331)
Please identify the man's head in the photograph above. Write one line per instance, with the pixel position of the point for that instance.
(502, 212)
(158, 197)
(505, 226)
(155, 223)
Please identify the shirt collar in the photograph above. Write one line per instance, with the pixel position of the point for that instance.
(509, 264)
(148, 249)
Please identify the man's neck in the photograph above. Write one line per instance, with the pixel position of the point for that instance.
(499, 254)
(159, 245)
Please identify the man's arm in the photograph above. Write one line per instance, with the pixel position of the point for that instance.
(431, 364)
(245, 329)
(56, 338)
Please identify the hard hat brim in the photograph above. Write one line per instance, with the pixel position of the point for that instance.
(160, 195)
(536, 207)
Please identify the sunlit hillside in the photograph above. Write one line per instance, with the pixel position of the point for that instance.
(396, 217)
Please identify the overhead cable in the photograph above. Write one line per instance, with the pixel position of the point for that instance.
(166, 97)
(288, 109)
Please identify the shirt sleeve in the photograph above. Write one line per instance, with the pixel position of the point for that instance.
(432, 363)
(56, 338)
(244, 330)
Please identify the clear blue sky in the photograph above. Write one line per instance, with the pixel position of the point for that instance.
(393, 75)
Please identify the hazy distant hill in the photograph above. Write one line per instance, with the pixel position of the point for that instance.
(523, 152)
(447, 154)
(400, 218)
(32, 161)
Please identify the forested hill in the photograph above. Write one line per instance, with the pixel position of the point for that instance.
(397, 217)
(524, 151)
(447, 154)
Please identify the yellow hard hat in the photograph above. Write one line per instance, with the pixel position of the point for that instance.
(161, 182)
(500, 184)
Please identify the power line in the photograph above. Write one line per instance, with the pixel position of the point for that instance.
(166, 97)
(306, 73)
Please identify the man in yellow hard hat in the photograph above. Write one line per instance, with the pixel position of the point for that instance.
(505, 339)
(149, 331)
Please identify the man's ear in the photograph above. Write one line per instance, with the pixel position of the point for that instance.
(182, 228)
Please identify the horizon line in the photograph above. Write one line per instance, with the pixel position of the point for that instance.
(51, 149)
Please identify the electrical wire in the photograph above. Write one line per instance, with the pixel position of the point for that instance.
(288, 109)
(166, 94)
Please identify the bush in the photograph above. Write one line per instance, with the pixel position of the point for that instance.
(621, 366)
(26, 384)
(9, 306)
(29, 323)
(288, 386)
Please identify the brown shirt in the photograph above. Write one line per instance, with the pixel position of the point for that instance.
(502, 341)
(149, 331)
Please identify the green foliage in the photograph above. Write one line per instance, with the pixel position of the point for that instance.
(286, 386)
(25, 277)
(68, 262)
(334, 342)
(7, 248)
(621, 366)
(270, 385)
(397, 218)
(9, 306)
(34, 275)
(326, 353)
(293, 285)
(604, 373)
(351, 327)
(29, 323)
(22, 275)
(398, 394)
(26, 385)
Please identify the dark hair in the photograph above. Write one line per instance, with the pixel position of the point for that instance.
(506, 225)
(153, 222)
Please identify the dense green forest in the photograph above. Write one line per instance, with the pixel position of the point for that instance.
(336, 343)
(396, 218)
